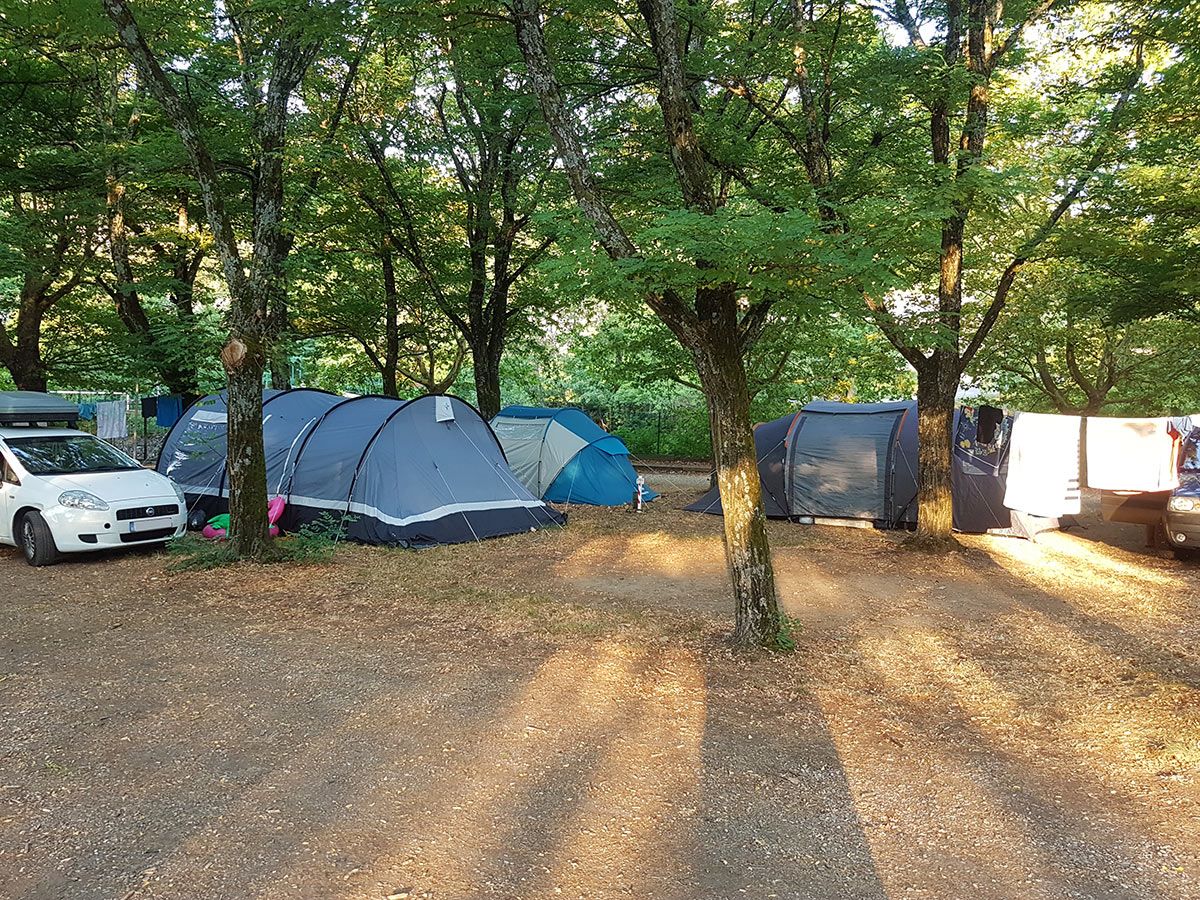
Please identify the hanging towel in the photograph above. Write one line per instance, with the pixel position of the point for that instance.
(87, 411)
(169, 409)
(1043, 465)
(149, 407)
(1132, 454)
(110, 420)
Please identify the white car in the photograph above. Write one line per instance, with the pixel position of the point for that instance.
(65, 491)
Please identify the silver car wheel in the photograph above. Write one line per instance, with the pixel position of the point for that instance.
(30, 539)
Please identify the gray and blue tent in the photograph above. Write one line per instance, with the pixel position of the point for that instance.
(838, 461)
(416, 473)
(563, 456)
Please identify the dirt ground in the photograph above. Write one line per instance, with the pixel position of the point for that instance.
(554, 715)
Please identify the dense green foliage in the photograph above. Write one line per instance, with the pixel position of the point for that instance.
(439, 233)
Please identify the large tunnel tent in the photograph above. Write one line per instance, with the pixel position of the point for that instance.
(415, 473)
(858, 461)
(563, 456)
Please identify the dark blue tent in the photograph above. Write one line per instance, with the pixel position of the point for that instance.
(415, 473)
(563, 456)
(859, 461)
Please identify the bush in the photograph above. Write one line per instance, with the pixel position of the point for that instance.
(315, 542)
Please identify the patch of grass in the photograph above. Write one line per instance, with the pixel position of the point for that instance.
(314, 542)
(193, 553)
(785, 637)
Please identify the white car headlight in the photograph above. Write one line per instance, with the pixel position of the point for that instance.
(179, 494)
(81, 500)
(1183, 504)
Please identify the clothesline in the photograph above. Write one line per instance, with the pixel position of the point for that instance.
(1051, 457)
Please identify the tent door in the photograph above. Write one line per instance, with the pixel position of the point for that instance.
(841, 465)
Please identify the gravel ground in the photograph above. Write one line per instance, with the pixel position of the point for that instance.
(554, 715)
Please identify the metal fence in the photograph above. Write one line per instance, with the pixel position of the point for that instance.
(677, 431)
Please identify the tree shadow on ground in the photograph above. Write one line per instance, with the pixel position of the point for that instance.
(1033, 753)
(216, 755)
(636, 791)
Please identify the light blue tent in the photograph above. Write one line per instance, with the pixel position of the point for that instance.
(563, 456)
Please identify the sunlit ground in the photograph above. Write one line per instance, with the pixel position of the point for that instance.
(554, 715)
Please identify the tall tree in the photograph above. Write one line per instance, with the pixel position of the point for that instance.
(976, 39)
(56, 241)
(162, 255)
(49, 172)
(707, 309)
(324, 108)
(274, 47)
(457, 169)
(918, 155)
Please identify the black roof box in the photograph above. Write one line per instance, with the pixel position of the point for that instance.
(34, 408)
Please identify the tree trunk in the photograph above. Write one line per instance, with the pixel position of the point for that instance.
(747, 551)
(35, 380)
(709, 328)
(244, 363)
(391, 323)
(259, 308)
(185, 268)
(937, 384)
(25, 366)
(281, 364)
(486, 360)
(23, 358)
(391, 385)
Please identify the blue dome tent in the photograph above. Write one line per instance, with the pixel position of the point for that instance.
(563, 456)
(427, 471)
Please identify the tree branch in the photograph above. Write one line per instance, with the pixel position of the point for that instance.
(1104, 138)
(183, 116)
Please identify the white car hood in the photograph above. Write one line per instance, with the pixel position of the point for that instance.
(115, 487)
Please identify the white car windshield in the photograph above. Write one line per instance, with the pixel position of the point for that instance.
(68, 454)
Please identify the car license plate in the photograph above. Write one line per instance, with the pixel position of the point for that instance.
(150, 524)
